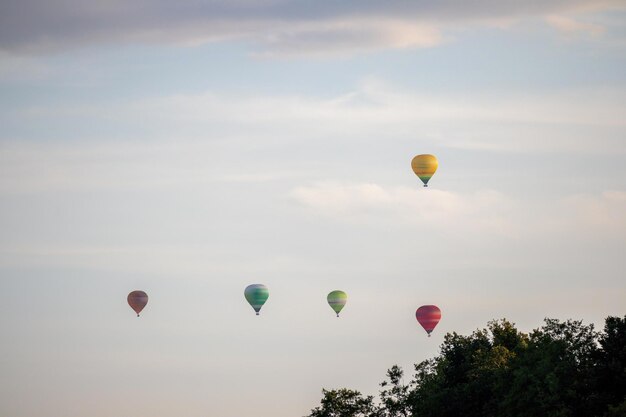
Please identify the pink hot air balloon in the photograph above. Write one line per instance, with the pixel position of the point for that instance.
(137, 300)
(428, 317)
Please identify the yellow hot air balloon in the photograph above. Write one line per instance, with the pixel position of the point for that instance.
(424, 167)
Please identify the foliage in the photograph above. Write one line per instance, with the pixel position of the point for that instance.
(394, 397)
(562, 369)
(345, 403)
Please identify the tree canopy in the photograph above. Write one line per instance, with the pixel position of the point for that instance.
(562, 369)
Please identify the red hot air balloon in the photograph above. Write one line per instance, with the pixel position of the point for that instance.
(428, 317)
(137, 300)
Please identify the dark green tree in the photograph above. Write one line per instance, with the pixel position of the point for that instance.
(562, 369)
(465, 377)
(345, 403)
(617, 410)
(611, 365)
(394, 397)
(552, 376)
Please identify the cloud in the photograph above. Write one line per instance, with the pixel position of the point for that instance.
(334, 37)
(520, 122)
(431, 209)
(278, 27)
(34, 168)
(604, 213)
(585, 217)
(570, 27)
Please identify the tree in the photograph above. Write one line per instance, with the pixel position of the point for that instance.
(553, 375)
(465, 378)
(562, 369)
(617, 410)
(345, 403)
(394, 397)
(611, 365)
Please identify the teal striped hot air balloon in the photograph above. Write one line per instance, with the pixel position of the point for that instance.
(257, 295)
(337, 300)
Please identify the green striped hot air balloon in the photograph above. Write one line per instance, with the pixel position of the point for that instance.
(257, 295)
(337, 300)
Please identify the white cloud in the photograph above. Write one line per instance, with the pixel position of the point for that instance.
(487, 212)
(336, 37)
(34, 168)
(188, 136)
(603, 214)
(582, 120)
(571, 27)
(405, 206)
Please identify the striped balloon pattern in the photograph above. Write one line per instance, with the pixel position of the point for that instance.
(337, 300)
(428, 317)
(137, 300)
(424, 167)
(257, 295)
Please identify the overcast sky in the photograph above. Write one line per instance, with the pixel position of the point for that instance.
(189, 149)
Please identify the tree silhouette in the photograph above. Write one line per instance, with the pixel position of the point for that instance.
(562, 369)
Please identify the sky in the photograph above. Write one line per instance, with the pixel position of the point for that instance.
(189, 149)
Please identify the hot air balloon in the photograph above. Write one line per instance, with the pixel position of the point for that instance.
(257, 295)
(337, 300)
(137, 300)
(428, 317)
(424, 167)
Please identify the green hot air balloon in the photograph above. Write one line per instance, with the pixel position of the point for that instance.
(337, 300)
(257, 295)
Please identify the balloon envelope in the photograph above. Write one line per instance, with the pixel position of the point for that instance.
(424, 167)
(137, 300)
(428, 317)
(337, 300)
(257, 295)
